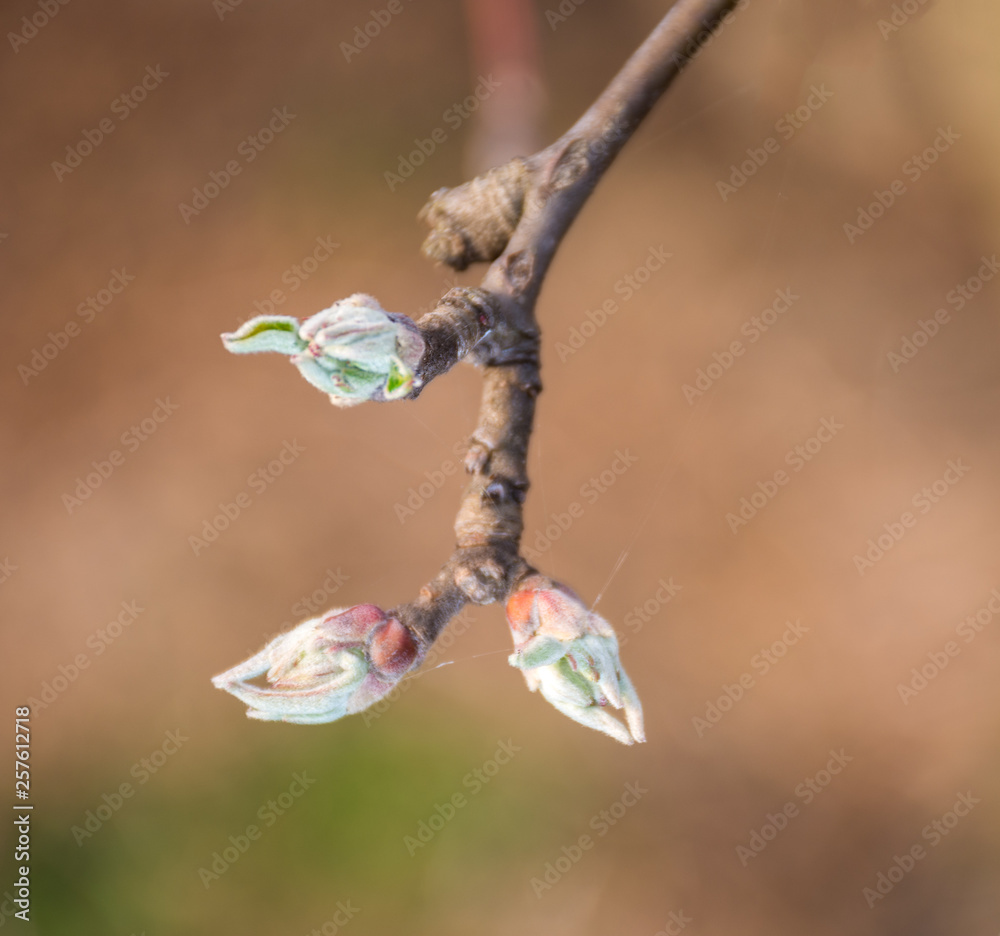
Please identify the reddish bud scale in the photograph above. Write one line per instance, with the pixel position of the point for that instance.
(541, 604)
(519, 608)
(392, 649)
(354, 624)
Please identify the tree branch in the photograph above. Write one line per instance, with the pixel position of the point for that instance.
(516, 216)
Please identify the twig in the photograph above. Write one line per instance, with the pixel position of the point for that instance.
(516, 216)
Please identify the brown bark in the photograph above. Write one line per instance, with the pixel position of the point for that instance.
(516, 217)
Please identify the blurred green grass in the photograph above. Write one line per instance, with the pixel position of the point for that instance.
(341, 840)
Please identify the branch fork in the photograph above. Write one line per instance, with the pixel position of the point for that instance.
(514, 218)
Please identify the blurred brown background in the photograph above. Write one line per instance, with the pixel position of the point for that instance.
(682, 848)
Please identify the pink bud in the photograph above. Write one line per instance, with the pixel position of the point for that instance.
(570, 653)
(541, 605)
(392, 649)
(325, 667)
